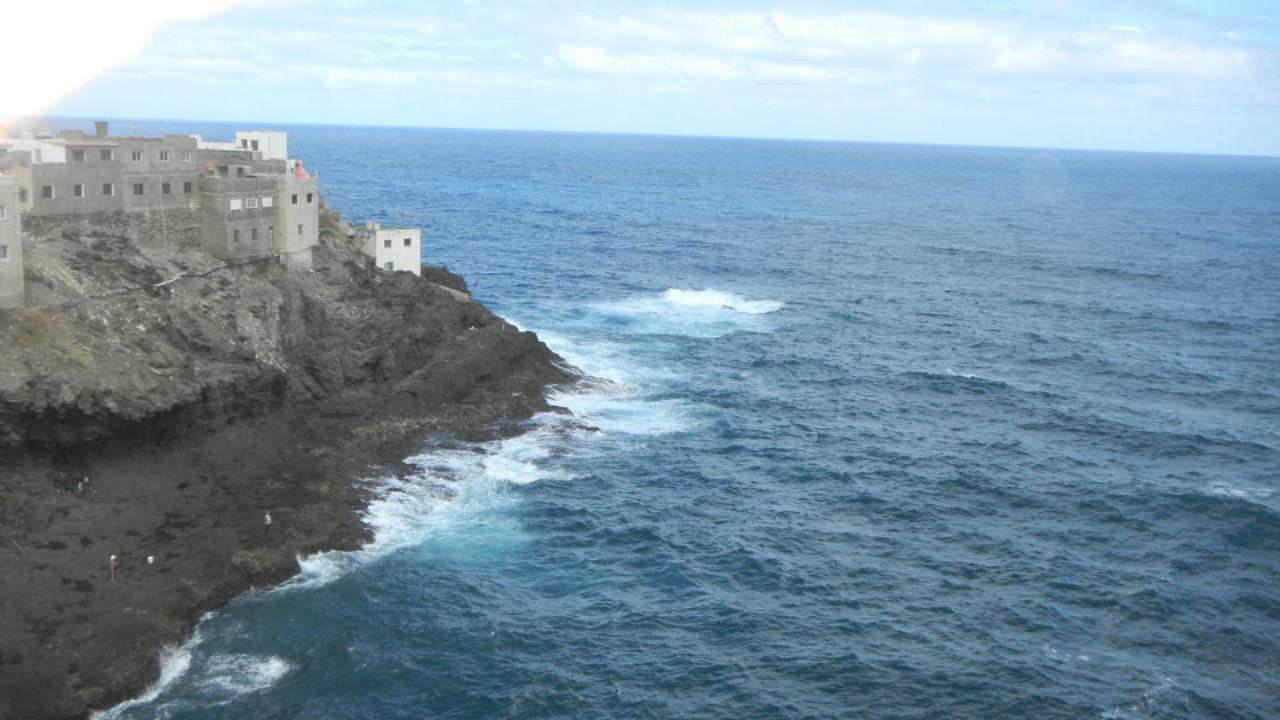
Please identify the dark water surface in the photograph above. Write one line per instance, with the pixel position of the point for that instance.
(882, 432)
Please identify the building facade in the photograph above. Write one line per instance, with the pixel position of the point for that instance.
(12, 290)
(393, 248)
(251, 199)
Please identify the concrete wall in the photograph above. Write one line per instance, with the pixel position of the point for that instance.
(273, 145)
(394, 248)
(81, 185)
(243, 232)
(12, 293)
(299, 212)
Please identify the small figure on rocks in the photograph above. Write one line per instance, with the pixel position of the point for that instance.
(151, 559)
(266, 520)
(112, 563)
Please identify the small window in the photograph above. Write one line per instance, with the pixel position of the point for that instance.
(244, 143)
(186, 188)
(271, 233)
(299, 230)
(253, 144)
(268, 202)
(222, 170)
(78, 191)
(235, 204)
(408, 242)
(77, 156)
(22, 194)
(135, 156)
(4, 214)
(295, 198)
(164, 156)
(253, 234)
(46, 192)
(235, 236)
(165, 188)
(137, 188)
(186, 156)
(108, 189)
(390, 266)
(308, 198)
(4, 253)
(239, 172)
(106, 155)
(386, 243)
(251, 203)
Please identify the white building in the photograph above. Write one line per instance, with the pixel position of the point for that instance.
(393, 248)
(273, 145)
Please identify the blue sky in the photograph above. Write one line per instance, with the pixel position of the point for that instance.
(1184, 76)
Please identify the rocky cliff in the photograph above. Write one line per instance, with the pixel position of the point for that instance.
(196, 397)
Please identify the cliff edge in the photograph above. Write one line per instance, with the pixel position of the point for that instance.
(195, 397)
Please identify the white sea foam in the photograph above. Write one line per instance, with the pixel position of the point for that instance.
(243, 674)
(720, 300)
(174, 663)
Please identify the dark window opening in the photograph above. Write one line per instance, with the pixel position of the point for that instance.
(164, 188)
(137, 188)
(46, 192)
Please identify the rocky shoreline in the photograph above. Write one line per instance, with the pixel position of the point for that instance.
(196, 408)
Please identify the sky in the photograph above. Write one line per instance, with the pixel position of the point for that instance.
(1162, 75)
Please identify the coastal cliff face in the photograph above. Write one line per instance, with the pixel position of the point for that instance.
(196, 398)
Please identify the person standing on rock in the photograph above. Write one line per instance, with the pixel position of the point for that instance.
(266, 521)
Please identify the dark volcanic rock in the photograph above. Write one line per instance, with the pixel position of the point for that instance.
(194, 409)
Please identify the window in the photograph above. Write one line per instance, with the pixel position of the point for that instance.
(106, 155)
(135, 156)
(244, 143)
(108, 189)
(308, 198)
(222, 170)
(4, 253)
(386, 243)
(408, 242)
(235, 204)
(77, 155)
(268, 202)
(251, 203)
(253, 234)
(78, 191)
(253, 144)
(4, 214)
(46, 192)
(186, 156)
(390, 266)
(239, 172)
(235, 236)
(271, 233)
(295, 198)
(22, 194)
(165, 188)
(137, 188)
(164, 156)
(186, 188)
(299, 230)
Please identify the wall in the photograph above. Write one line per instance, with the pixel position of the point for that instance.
(294, 245)
(11, 275)
(219, 222)
(401, 257)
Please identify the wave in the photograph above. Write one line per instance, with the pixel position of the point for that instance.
(720, 300)
(174, 663)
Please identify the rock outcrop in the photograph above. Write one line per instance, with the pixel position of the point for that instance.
(196, 397)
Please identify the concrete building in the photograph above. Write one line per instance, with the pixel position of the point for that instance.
(393, 248)
(248, 197)
(12, 292)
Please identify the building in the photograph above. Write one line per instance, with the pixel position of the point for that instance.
(12, 292)
(393, 248)
(243, 199)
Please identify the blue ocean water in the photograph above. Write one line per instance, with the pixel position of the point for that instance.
(877, 431)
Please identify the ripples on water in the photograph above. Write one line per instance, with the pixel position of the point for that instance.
(877, 431)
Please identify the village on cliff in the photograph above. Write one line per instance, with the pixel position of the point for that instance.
(244, 201)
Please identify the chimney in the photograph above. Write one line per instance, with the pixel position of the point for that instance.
(100, 128)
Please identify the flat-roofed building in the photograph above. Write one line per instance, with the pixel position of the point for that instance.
(393, 248)
(12, 290)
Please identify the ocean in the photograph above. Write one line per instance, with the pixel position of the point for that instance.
(873, 431)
